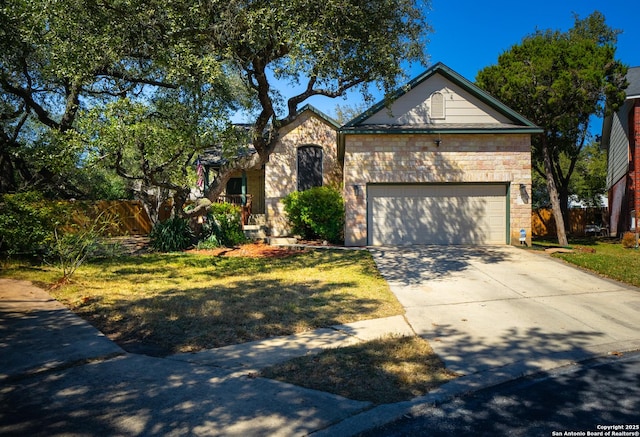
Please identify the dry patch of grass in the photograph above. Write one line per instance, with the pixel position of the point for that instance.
(391, 369)
(187, 302)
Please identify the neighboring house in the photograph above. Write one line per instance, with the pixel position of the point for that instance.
(445, 163)
(306, 156)
(621, 139)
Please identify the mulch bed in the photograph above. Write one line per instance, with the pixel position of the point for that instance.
(138, 245)
(251, 250)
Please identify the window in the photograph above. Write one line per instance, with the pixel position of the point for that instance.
(234, 186)
(309, 167)
(437, 105)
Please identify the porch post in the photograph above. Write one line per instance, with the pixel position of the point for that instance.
(244, 188)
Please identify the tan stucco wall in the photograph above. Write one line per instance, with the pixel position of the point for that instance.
(281, 171)
(414, 158)
(255, 188)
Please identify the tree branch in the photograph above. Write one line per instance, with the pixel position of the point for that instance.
(119, 168)
(139, 80)
(27, 97)
(72, 105)
(310, 91)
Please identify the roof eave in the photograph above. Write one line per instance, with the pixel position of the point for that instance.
(400, 130)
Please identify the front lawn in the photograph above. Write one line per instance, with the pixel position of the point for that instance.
(390, 369)
(609, 259)
(186, 302)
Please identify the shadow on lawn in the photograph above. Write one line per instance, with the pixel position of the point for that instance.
(220, 266)
(203, 318)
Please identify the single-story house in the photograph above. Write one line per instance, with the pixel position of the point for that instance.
(621, 139)
(443, 163)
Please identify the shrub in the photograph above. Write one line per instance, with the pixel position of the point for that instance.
(316, 213)
(73, 245)
(629, 240)
(27, 222)
(223, 226)
(172, 235)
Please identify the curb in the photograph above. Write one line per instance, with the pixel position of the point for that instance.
(465, 385)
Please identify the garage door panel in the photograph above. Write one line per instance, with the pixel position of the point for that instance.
(436, 214)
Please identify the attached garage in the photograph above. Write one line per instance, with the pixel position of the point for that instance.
(443, 163)
(402, 214)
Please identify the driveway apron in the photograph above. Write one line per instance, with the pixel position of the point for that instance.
(487, 307)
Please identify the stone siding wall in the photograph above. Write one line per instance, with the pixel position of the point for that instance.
(415, 158)
(281, 171)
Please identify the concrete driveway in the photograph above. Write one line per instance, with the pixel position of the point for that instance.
(495, 307)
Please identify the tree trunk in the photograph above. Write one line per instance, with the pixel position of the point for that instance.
(554, 197)
(563, 197)
(152, 199)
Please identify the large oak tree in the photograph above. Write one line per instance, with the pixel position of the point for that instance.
(56, 58)
(60, 58)
(321, 48)
(560, 80)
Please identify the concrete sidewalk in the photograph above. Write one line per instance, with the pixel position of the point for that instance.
(60, 375)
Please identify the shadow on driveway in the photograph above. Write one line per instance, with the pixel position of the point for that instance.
(415, 264)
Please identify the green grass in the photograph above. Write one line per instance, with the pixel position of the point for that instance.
(391, 369)
(187, 302)
(610, 259)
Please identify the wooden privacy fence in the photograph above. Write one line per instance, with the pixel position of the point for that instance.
(128, 217)
(543, 223)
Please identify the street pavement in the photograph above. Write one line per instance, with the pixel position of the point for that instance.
(493, 314)
(599, 397)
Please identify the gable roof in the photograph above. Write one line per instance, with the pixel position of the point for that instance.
(213, 156)
(513, 122)
(320, 114)
(632, 92)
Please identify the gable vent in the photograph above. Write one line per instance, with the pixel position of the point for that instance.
(437, 105)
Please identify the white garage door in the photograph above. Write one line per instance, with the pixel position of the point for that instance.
(437, 214)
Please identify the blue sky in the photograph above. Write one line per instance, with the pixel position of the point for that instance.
(470, 34)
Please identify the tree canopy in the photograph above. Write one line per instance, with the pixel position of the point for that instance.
(560, 80)
(62, 61)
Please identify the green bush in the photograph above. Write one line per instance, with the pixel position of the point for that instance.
(317, 213)
(223, 226)
(172, 235)
(27, 222)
